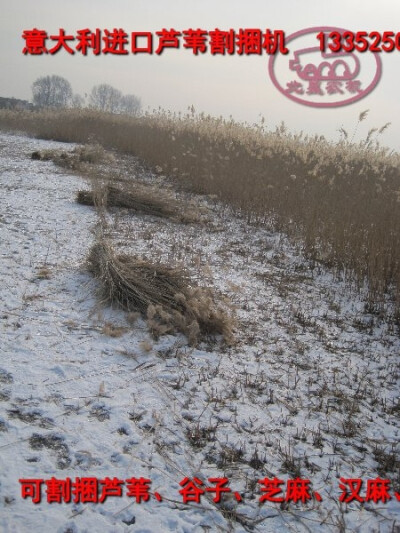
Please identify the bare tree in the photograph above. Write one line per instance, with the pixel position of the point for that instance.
(105, 98)
(77, 101)
(130, 104)
(52, 91)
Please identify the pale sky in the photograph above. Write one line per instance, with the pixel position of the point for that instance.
(231, 85)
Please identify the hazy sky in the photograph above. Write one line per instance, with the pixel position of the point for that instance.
(236, 85)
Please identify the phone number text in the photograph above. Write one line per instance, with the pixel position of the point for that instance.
(360, 41)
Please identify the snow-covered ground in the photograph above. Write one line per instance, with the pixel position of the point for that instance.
(309, 390)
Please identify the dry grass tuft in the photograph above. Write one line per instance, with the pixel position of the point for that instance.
(76, 159)
(43, 273)
(85, 197)
(161, 294)
(132, 317)
(146, 346)
(112, 330)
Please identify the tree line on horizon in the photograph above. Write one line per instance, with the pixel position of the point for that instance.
(56, 92)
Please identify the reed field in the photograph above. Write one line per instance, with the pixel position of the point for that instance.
(339, 201)
(197, 334)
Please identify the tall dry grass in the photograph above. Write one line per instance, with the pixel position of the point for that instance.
(340, 200)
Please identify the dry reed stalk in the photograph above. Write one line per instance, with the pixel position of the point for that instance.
(161, 294)
(137, 198)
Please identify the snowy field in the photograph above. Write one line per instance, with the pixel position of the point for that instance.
(309, 390)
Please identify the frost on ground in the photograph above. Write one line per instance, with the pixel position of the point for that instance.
(309, 390)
